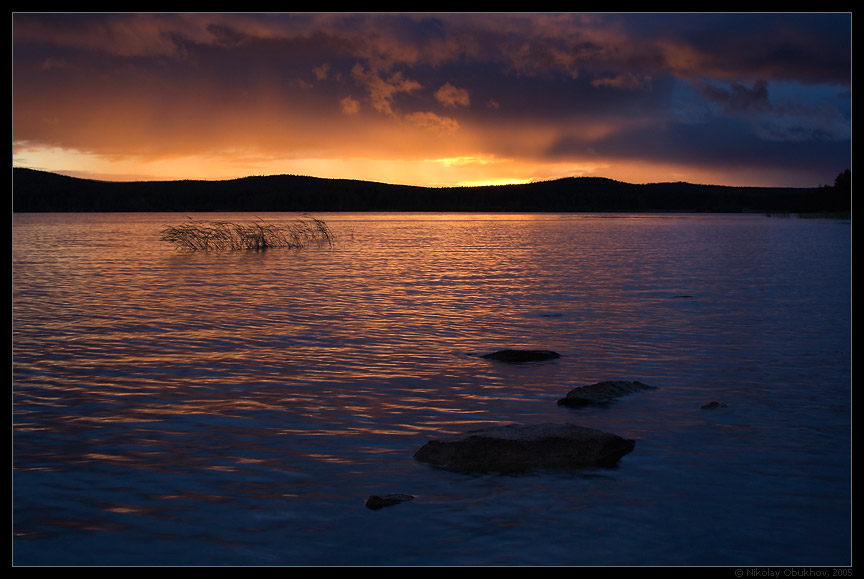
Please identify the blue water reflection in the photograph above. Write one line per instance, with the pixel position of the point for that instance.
(237, 408)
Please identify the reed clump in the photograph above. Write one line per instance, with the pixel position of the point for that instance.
(257, 235)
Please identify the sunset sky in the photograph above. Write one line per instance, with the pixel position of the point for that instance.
(435, 99)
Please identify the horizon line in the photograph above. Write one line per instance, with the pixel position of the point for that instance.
(266, 176)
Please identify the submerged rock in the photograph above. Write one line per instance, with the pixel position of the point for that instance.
(518, 356)
(376, 502)
(601, 392)
(713, 404)
(517, 448)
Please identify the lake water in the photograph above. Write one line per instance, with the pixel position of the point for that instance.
(237, 408)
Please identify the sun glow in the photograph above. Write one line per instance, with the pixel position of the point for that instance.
(493, 182)
(446, 172)
(463, 171)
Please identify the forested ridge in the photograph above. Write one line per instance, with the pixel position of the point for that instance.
(40, 191)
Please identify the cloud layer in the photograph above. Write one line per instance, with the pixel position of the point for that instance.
(436, 99)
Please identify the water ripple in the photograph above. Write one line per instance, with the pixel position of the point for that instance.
(236, 408)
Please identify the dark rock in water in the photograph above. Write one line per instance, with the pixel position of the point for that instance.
(518, 356)
(518, 448)
(713, 404)
(376, 502)
(601, 392)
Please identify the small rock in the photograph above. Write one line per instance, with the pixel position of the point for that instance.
(713, 404)
(376, 502)
(519, 356)
(601, 392)
(518, 448)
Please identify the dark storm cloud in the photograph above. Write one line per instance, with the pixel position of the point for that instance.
(805, 48)
(738, 98)
(722, 142)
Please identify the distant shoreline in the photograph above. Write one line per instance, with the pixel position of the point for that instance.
(39, 191)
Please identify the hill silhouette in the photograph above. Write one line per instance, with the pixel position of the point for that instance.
(40, 191)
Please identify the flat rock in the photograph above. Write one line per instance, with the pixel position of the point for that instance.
(601, 392)
(518, 448)
(519, 356)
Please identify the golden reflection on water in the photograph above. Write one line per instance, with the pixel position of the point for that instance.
(253, 400)
(373, 336)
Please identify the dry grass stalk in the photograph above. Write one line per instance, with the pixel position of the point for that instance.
(257, 235)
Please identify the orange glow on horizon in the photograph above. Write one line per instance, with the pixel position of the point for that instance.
(443, 172)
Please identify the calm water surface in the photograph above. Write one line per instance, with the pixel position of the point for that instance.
(238, 408)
